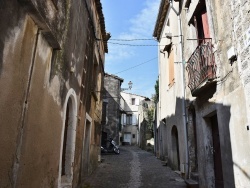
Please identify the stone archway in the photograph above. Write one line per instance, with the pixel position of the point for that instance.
(175, 149)
(68, 137)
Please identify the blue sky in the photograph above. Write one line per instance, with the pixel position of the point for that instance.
(132, 19)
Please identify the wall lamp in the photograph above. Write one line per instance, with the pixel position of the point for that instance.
(170, 36)
(129, 86)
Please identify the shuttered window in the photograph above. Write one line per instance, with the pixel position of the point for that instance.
(134, 119)
(129, 119)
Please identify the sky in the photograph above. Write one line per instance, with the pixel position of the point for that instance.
(132, 20)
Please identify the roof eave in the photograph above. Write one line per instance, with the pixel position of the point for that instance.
(163, 9)
(102, 23)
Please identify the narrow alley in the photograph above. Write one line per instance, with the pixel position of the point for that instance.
(133, 168)
(82, 77)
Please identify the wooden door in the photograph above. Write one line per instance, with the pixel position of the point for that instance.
(217, 153)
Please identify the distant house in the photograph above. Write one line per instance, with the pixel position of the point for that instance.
(111, 107)
(129, 118)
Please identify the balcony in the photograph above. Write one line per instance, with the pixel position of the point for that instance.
(201, 68)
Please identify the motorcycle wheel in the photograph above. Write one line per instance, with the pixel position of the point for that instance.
(117, 150)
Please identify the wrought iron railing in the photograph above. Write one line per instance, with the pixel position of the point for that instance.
(201, 65)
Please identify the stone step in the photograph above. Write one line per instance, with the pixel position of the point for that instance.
(194, 176)
(164, 163)
(191, 183)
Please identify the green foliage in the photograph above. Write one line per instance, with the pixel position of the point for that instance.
(156, 96)
(150, 125)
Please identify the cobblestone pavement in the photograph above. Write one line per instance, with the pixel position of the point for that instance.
(133, 168)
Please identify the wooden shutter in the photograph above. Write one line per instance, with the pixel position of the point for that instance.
(134, 120)
(205, 25)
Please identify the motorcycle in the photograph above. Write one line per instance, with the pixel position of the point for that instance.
(111, 147)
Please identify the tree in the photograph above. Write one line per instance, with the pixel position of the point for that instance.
(156, 96)
(150, 125)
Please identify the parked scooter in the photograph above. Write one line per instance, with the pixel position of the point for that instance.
(110, 147)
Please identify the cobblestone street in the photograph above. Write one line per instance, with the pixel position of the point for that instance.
(131, 169)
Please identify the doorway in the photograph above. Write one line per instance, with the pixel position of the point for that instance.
(192, 139)
(127, 138)
(68, 140)
(86, 146)
(218, 173)
(175, 149)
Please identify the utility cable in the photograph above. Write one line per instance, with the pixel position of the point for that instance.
(138, 39)
(125, 44)
(137, 65)
(131, 39)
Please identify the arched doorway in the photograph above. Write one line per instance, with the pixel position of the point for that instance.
(175, 149)
(68, 137)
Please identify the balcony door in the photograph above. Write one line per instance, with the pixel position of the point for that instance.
(200, 21)
(217, 153)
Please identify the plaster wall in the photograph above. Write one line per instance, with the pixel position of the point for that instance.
(171, 96)
(229, 101)
(228, 26)
(41, 59)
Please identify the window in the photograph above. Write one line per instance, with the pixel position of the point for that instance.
(133, 135)
(129, 119)
(200, 21)
(134, 119)
(133, 101)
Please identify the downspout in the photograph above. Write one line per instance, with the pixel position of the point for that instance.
(183, 86)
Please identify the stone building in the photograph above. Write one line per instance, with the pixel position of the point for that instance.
(129, 118)
(51, 65)
(112, 108)
(203, 110)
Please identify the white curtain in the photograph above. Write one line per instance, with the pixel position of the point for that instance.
(134, 119)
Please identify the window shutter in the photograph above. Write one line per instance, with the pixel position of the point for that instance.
(124, 119)
(205, 25)
(137, 101)
(134, 120)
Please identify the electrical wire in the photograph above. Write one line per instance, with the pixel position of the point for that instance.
(137, 65)
(222, 80)
(125, 44)
(130, 39)
(137, 39)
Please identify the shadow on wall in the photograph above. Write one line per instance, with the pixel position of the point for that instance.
(242, 170)
(112, 111)
(222, 115)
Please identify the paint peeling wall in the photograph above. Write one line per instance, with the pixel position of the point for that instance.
(44, 53)
(227, 101)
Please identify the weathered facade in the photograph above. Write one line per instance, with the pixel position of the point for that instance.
(205, 50)
(51, 64)
(111, 109)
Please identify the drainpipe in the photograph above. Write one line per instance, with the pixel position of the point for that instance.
(183, 85)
